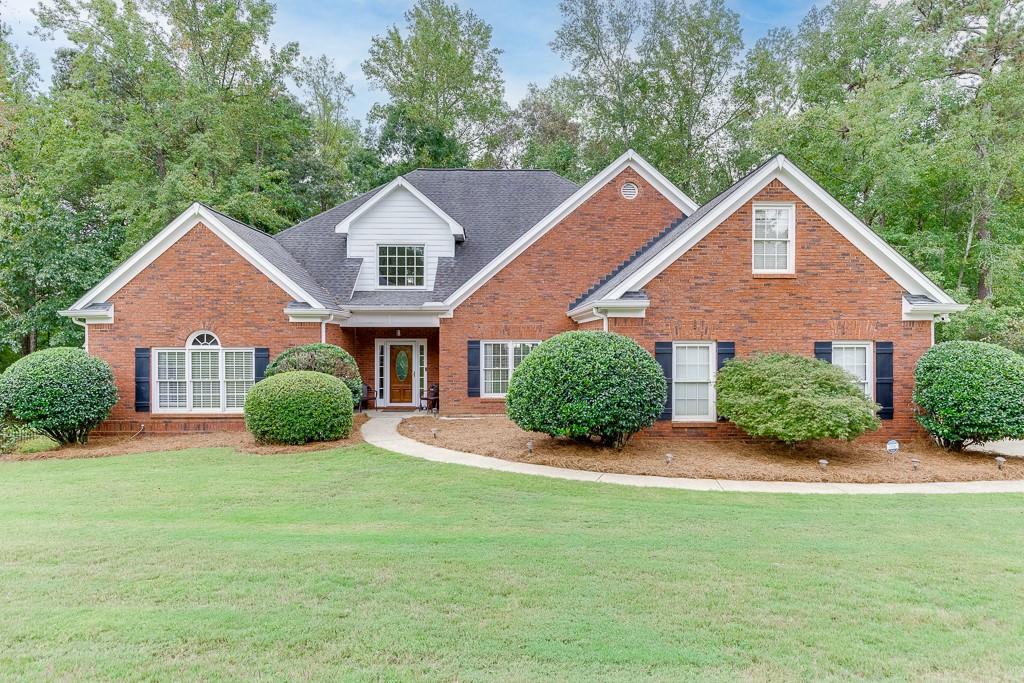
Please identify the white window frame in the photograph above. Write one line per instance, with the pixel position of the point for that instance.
(509, 344)
(376, 274)
(791, 241)
(222, 377)
(869, 360)
(712, 415)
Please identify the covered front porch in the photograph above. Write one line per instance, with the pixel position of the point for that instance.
(399, 364)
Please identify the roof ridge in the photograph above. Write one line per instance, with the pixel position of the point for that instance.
(232, 218)
(629, 259)
(321, 213)
(484, 170)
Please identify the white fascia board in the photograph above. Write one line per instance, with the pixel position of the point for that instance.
(400, 182)
(392, 318)
(92, 317)
(612, 308)
(167, 237)
(930, 311)
(628, 160)
(315, 315)
(812, 194)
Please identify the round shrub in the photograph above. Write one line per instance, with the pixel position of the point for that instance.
(586, 386)
(326, 358)
(792, 398)
(970, 392)
(62, 392)
(298, 407)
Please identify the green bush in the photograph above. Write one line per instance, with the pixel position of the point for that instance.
(326, 358)
(61, 392)
(792, 398)
(587, 385)
(298, 407)
(969, 393)
(983, 322)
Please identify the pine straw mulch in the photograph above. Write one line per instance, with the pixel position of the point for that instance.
(751, 460)
(104, 446)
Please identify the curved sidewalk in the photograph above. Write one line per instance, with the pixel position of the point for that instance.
(382, 431)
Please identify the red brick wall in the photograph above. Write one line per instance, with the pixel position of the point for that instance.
(837, 294)
(200, 283)
(529, 298)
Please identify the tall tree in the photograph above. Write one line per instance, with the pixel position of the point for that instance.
(443, 81)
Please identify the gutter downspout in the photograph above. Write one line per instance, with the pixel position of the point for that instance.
(323, 331)
(602, 316)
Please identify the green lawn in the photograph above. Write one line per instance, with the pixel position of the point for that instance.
(360, 564)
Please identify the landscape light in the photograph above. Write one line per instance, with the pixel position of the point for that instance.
(1000, 461)
(914, 462)
(433, 433)
(529, 446)
(823, 464)
(668, 458)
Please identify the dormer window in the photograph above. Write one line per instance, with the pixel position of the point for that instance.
(401, 265)
(774, 243)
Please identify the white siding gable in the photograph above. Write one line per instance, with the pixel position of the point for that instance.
(399, 218)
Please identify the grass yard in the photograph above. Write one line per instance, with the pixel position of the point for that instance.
(358, 564)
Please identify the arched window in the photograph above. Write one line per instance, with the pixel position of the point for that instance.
(203, 376)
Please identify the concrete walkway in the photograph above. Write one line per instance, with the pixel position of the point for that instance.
(382, 430)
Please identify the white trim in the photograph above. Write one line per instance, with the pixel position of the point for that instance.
(930, 311)
(89, 317)
(397, 243)
(614, 308)
(154, 378)
(790, 241)
(508, 343)
(400, 182)
(628, 160)
(712, 415)
(812, 194)
(175, 230)
(419, 346)
(869, 354)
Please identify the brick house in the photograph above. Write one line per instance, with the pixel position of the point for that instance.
(450, 277)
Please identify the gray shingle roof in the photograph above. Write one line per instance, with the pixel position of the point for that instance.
(655, 246)
(495, 207)
(919, 299)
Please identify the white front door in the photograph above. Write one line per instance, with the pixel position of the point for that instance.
(401, 371)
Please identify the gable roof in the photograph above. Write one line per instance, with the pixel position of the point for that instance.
(677, 239)
(495, 207)
(630, 159)
(255, 246)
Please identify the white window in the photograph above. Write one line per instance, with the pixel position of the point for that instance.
(693, 381)
(855, 358)
(203, 377)
(774, 243)
(400, 265)
(500, 359)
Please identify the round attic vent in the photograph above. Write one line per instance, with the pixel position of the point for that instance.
(629, 190)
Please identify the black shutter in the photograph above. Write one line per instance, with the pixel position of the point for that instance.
(726, 351)
(663, 354)
(262, 358)
(823, 351)
(473, 367)
(142, 381)
(883, 379)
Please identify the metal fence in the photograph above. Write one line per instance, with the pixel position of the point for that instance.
(11, 435)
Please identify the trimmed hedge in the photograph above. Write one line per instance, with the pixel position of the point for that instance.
(970, 392)
(298, 407)
(586, 386)
(792, 398)
(61, 392)
(326, 358)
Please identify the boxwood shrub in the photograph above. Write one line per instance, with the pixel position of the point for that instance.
(298, 407)
(61, 392)
(970, 392)
(587, 386)
(326, 358)
(791, 398)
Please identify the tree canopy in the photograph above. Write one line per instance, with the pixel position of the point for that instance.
(910, 113)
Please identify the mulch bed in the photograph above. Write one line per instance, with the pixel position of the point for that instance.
(752, 460)
(103, 446)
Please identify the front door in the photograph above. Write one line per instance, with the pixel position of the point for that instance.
(400, 375)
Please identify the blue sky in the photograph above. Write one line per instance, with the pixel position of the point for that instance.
(342, 30)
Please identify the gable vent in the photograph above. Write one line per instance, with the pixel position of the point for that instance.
(629, 190)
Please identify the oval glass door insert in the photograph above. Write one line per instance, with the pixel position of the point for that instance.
(402, 366)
